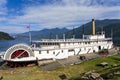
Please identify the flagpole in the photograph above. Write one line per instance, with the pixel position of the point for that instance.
(29, 34)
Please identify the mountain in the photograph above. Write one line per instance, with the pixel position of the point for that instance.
(5, 36)
(42, 34)
(100, 24)
(106, 25)
(114, 30)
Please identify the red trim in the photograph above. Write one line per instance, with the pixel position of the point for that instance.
(22, 53)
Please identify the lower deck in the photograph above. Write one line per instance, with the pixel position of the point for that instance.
(61, 53)
(23, 52)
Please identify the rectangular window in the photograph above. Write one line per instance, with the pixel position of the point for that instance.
(37, 45)
(39, 52)
(88, 42)
(70, 50)
(62, 51)
(84, 48)
(47, 51)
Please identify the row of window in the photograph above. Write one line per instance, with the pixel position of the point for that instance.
(48, 52)
(49, 43)
(70, 50)
(39, 44)
(81, 43)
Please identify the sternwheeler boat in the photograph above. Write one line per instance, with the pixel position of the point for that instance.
(57, 48)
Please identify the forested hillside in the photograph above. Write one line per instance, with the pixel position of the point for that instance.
(111, 27)
(5, 36)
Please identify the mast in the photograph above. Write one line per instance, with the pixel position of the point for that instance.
(111, 33)
(73, 33)
(64, 37)
(83, 31)
(29, 33)
(50, 35)
(102, 29)
(56, 36)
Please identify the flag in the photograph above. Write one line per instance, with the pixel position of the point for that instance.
(28, 27)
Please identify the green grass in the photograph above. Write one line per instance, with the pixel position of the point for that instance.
(29, 73)
(72, 71)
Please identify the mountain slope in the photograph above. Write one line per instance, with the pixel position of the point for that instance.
(105, 25)
(5, 36)
(114, 31)
(100, 25)
(45, 33)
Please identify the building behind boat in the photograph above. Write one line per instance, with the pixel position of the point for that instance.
(58, 48)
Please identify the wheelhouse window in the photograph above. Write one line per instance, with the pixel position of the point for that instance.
(47, 51)
(37, 44)
(88, 42)
(70, 50)
(39, 52)
(53, 52)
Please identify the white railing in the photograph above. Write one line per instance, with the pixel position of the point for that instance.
(70, 40)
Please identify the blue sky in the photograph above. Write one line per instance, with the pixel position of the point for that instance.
(15, 15)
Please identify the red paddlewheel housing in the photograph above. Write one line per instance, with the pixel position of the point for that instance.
(19, 54)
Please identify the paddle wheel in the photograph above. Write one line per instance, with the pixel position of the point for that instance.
(15, 55)
(19, 54)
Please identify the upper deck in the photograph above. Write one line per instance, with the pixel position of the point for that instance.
(68, 40)
(87, 38)
(70, 43)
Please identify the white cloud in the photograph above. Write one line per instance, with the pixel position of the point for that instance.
(61, 16)
(13, 29)
(65, 14)
(92, 2)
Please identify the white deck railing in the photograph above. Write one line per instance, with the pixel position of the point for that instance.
(70, 40)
